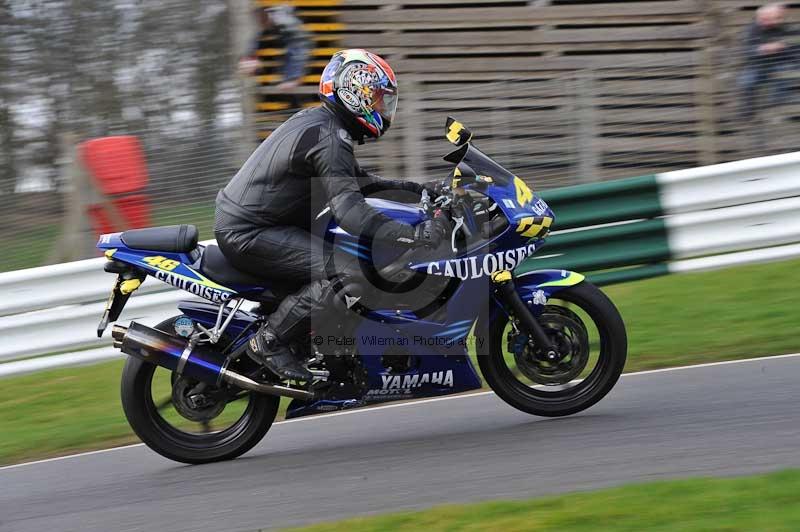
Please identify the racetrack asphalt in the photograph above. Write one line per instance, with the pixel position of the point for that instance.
(725, 419)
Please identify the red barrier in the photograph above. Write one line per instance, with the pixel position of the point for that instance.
(119, 172)
(134, 211)
(116, 163)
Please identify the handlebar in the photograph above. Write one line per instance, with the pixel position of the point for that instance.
(402, 261)
(425, 201)
(443, 205)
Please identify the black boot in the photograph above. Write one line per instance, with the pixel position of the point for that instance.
(276, 356)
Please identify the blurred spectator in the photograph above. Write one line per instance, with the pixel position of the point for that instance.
(281, 25)
(766, 53)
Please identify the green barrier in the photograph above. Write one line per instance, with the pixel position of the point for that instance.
(629, 244)
(635, 247)
(600, 203)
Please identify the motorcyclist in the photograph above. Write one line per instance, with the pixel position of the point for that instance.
(264, 214)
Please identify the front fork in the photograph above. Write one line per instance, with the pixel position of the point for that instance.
(506, 292)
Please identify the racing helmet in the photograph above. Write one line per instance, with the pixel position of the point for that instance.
(364, 86)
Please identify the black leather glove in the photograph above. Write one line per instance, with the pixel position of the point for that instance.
(434, 188)
(430, 233)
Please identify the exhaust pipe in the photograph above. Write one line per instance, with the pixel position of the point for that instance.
(201, 362)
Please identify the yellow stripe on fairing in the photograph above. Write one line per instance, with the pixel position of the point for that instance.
(571, 280)
(205, 281)
(202, 280)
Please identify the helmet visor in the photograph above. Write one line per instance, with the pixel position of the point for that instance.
(384, 101)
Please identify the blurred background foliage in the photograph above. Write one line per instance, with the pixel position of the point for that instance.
(74, 70)
(559, 91)
(95, 68)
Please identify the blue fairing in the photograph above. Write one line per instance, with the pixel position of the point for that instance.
(351, 245)
(402, 212)
(441, 363)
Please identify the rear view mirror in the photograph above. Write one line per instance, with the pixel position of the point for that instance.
(456, 132)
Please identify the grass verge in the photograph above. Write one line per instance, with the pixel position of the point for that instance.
(687, 505)
(676, 320)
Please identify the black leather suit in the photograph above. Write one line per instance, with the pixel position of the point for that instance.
(265, 213)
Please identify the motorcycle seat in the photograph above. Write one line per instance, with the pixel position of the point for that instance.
(171, 238)
(216, 267)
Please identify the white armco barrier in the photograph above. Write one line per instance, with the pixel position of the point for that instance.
(717, 216)
(727, 184)
(60, 284)
(81, 281)
(75, 326)
(743, 227)
(741, 258)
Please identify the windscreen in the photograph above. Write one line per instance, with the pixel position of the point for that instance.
(480, 164)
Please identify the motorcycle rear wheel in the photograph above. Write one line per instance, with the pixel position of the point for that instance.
(158, 432)
(545, 398)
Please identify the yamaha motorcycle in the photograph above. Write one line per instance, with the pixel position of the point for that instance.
(547, 342)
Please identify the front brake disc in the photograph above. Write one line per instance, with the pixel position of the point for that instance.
(568, 333)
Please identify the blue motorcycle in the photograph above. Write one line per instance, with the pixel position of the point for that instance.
(546, 341)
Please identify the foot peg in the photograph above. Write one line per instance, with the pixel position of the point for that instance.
(320, 374)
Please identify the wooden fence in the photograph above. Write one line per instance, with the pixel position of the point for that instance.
(560, 90)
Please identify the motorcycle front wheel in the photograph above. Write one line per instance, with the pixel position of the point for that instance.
(589, 335)
(188, 421)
